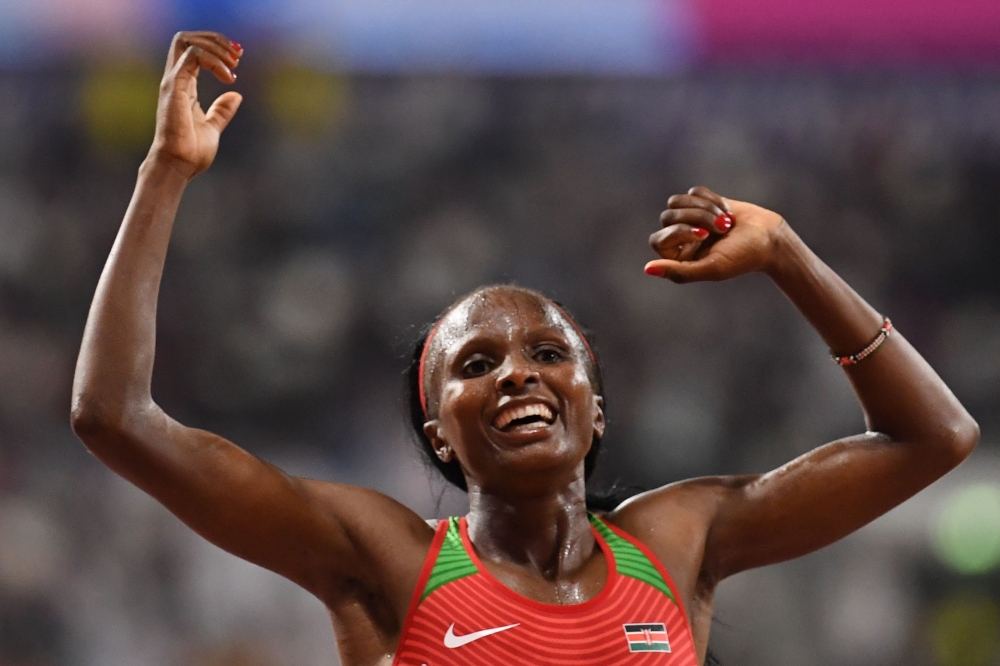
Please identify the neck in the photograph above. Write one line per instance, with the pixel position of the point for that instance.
(549, 532)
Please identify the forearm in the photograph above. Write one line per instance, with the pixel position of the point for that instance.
(115, 365)
(900, 393)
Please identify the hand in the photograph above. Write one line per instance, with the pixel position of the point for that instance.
(707, 237)
(186, 137)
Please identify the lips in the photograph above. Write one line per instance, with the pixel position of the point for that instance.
(524, 416)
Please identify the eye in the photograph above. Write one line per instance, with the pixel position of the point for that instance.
(476, 366)
(549, 355)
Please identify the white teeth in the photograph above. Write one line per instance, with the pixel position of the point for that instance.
(504, 418)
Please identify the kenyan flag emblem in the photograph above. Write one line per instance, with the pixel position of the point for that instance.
(649, 637)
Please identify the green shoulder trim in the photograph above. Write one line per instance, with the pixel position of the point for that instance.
(452, 561)
(630, 560)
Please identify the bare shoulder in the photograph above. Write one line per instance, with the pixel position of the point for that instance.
(663, 509)
(674, 522)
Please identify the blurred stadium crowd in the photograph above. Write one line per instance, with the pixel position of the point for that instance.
(345, 212)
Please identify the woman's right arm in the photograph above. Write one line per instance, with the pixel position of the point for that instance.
(320, 535)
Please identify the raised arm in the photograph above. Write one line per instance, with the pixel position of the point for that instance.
(917, 429)
(320, 535)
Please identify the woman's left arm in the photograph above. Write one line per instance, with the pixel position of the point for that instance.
(917, 429)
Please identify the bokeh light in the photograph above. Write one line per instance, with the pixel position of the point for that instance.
(303, 101)
(967, 531)
(386, 160)
(119, 106)
(965, 631)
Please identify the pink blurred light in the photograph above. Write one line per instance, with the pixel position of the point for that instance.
(849, 32)
(95, 24)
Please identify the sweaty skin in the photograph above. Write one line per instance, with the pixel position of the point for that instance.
(361, 552)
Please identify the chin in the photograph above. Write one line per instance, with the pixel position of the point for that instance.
(540, 458)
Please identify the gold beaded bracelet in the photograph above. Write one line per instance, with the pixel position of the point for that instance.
(853, 359)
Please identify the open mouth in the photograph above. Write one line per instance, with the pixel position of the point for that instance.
(524, 417)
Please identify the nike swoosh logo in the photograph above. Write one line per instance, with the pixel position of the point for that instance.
(452, 641)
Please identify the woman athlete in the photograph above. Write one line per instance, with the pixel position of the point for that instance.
(508, 401)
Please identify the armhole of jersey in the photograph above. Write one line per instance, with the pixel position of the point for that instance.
(656, 563)
(418, 590)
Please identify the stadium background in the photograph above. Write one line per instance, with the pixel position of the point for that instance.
(391, 155)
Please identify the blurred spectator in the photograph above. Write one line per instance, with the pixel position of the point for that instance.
(344, 213)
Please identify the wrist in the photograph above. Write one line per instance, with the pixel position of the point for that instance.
(789, 255)
(167, 168)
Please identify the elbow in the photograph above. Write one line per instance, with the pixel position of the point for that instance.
(960, 438)
(96, 421)
(91, 420)
(967, 437)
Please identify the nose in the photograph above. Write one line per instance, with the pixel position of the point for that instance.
(515, 374)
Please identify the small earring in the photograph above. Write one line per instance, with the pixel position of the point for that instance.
(444, 453)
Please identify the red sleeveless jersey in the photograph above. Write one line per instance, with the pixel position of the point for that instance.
(461, 615)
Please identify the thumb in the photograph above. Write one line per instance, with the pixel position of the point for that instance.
(708, 268)
(223, 109)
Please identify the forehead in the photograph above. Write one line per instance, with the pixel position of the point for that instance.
(505, 312)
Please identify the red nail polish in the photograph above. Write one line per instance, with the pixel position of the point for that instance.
(723, 222)
(655, 271)
(236, 47)
(700, 233)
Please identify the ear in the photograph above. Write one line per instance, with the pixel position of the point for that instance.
(599, 422)
(441, 448)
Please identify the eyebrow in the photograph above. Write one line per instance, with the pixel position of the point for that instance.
(533, 337)
(549, 331)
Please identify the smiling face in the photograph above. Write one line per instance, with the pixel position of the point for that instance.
(509, 392)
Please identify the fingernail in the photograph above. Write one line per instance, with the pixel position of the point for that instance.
(700, 233)
(723, 222)
(236, 47)
(654, 270)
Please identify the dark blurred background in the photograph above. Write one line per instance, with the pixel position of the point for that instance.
(390, 156)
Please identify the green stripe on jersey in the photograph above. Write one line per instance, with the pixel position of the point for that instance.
(452, 561)
(630, 560)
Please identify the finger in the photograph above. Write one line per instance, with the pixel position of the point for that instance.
(219, 46)
(211, 42)
(692, 201)
(223, 109)
(222, 41)
(705, 193)
(682, 252)
(186, 67)
(688, 251)
(668, 242)
(722, 220)
(697, 217)
(706, 269)
(177, 47)
(194, 57)
(215, 64)
(212, 48)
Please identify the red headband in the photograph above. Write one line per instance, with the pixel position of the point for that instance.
(579, 332)
(423, 361)
(430, 335)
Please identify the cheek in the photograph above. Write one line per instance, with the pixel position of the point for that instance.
(460, 407)
(581, 378)
(456, 396)
(580, 394)
(573, 375)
